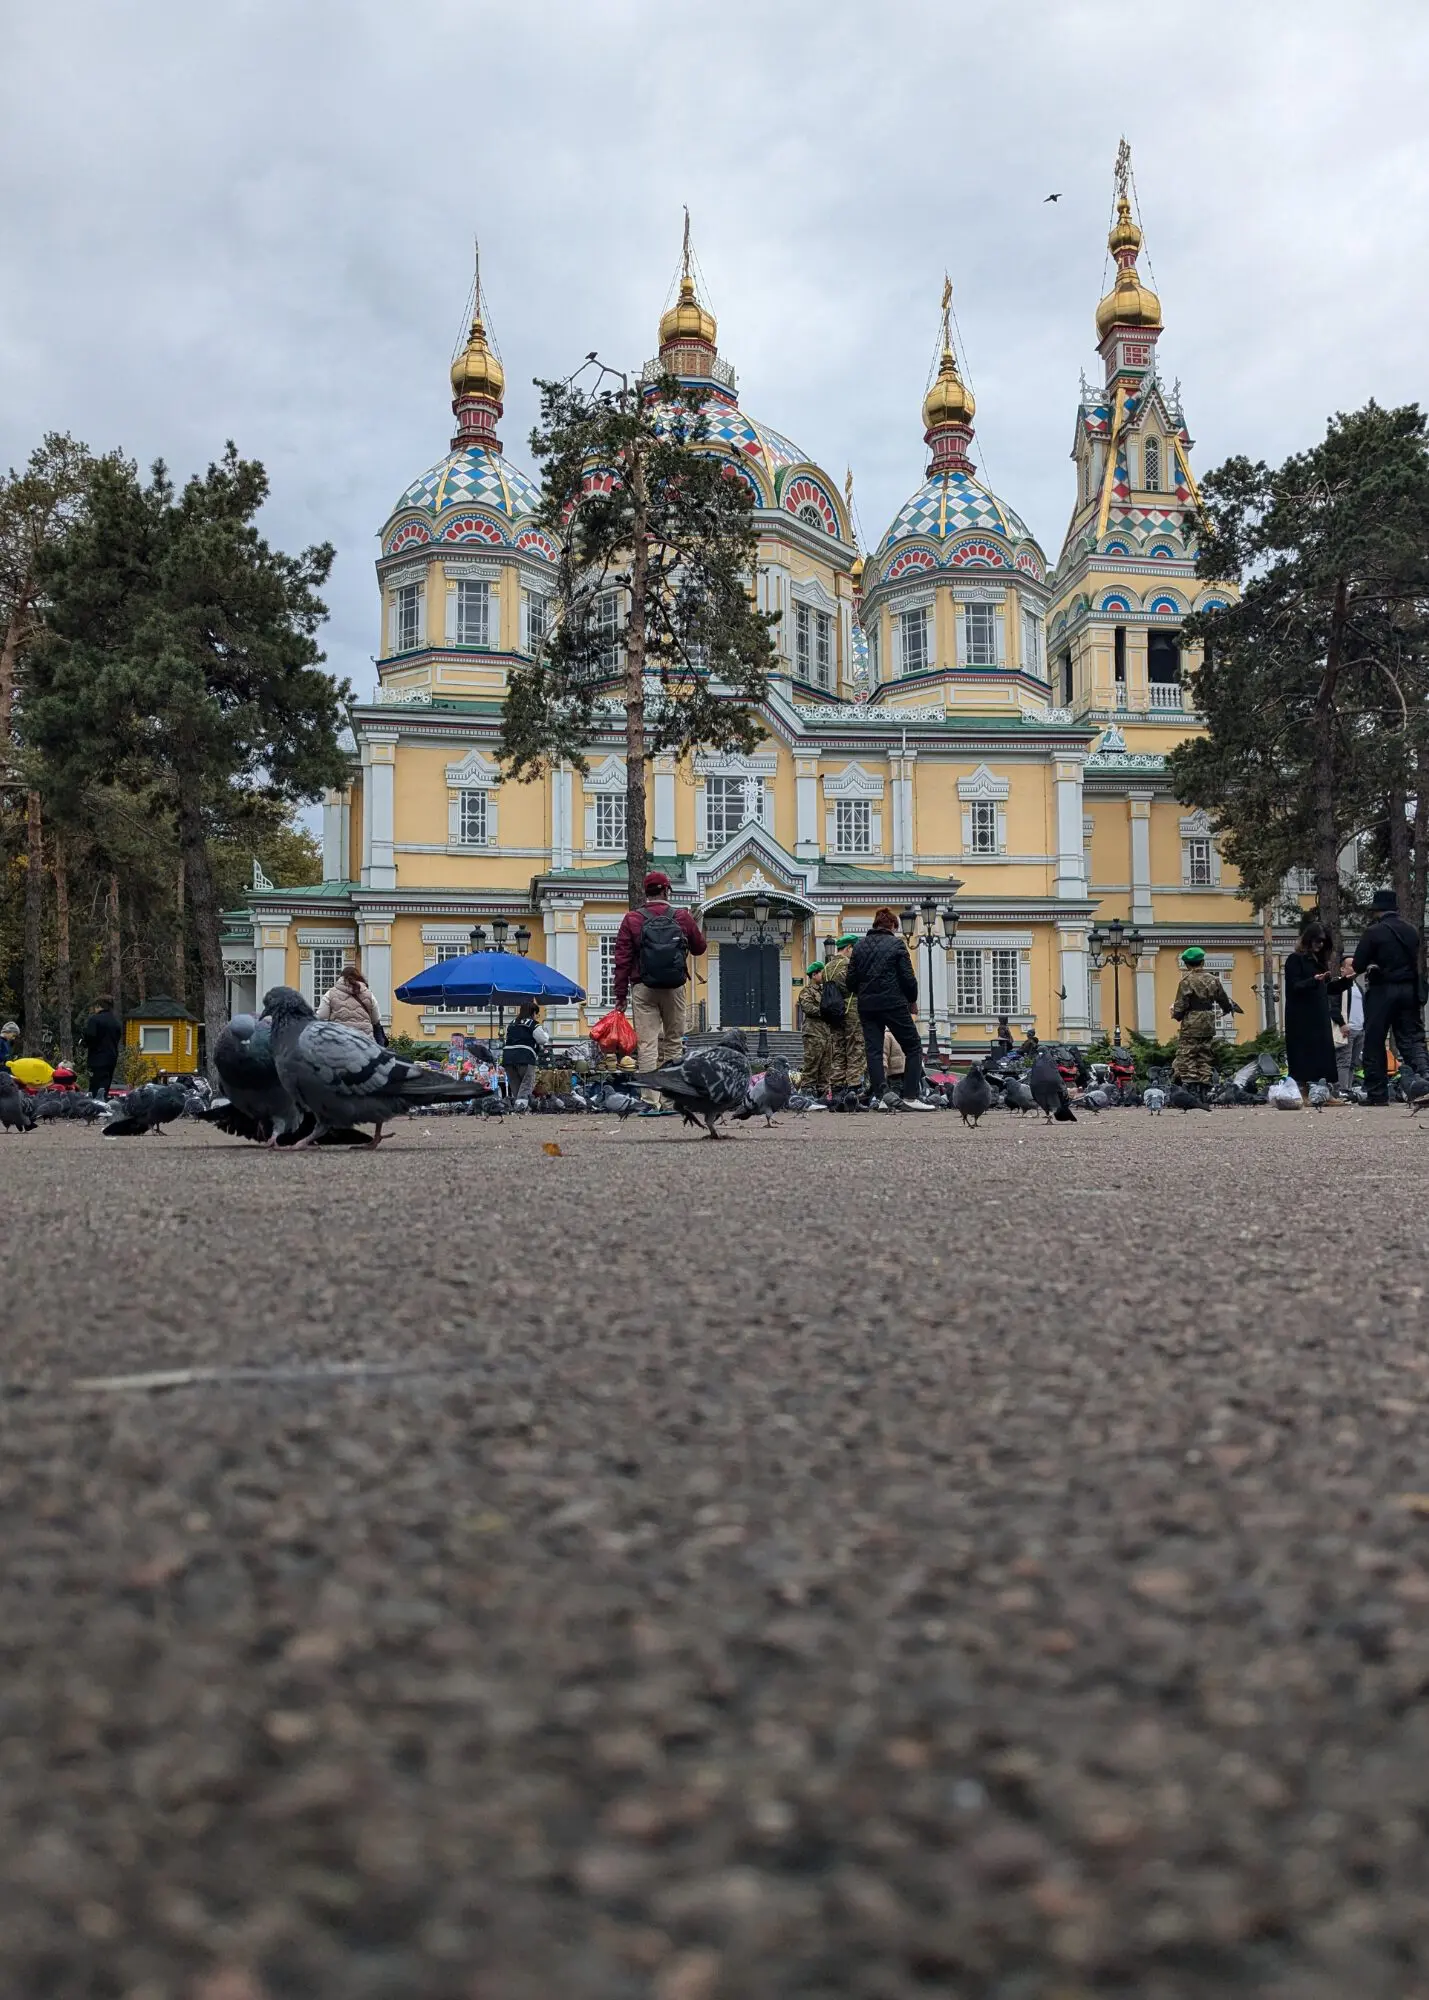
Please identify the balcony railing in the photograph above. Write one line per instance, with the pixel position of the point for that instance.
(1165, 694)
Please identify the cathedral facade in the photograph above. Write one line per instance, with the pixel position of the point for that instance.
(953, 719)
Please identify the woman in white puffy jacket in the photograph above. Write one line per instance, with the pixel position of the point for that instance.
(349, 1002)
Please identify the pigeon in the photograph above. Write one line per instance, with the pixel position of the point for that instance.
(706, 1083)
(622, 1104)
(148, 1109)
(1017, 1097)
(1096, 1100)
(972, 1096)
(771, 1093)
(1181, 1099)
(1050, 197)
(1049, 1092)
(344, 1078)
(1415, 1088)
(1319, 1096)
(1154, 1100)
(52, 1104)
(198, 1095)
(16, 1111)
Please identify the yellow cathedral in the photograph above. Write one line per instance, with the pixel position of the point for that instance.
(952, 719)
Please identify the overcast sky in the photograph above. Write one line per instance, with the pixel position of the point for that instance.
(253, 219)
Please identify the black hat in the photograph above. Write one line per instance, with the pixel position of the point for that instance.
(1385, 899)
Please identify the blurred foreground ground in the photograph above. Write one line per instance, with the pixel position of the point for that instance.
(867, 1558)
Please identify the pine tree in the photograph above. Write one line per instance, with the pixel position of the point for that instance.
(1313, 683)
(181, 662)
(655, 604)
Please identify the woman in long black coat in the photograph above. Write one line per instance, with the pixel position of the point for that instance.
(1310, 979)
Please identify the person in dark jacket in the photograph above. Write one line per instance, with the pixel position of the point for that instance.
(653, 948)
(526, 1042)
(1310, 979)
(1388, 956)
(881, 977)
(101, 1034)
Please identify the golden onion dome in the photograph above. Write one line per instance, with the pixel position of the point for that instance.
(949, 401)
(1129, 302)
(476, 370)
(687, 319)
(856, 573)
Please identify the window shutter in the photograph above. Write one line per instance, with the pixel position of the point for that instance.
(1024, 983)
(895, 634)
(875, 828)
(491, 839)
(453, 819)
(961, 622)
(702, 820)
(999, 640)
(392, 622)
(1001, 831)
(453, 590)
(589, 824)
(831, 830)
(592, 982)
(967, 829)
(1185, 864)
(766, 808)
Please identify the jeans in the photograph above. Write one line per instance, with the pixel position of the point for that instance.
(899, 1023)
(521, 1080)
(1391, 1008)
(1348, 1056)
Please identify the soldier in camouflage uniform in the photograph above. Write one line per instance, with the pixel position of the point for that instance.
(1198, 999)
(848, 1065)
(818, 1045)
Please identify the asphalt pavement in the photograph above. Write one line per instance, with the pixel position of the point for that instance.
(864, 1558)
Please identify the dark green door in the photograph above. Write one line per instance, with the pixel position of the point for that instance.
(741, 1000)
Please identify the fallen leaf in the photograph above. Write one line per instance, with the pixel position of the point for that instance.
(553, 1149)
(1414, 1503)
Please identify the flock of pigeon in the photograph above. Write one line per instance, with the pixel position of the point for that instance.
(291, 1080)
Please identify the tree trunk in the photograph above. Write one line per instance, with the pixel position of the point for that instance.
(203, 902)
(180, 972)
(1401, 872)
(1267, 963)
(1419, 871)
(116, 954)
(1323, 818)
(9, 660)
(32, 989)
(64, 977)
(636, 859)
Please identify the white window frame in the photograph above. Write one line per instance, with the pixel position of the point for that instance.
(407, 617)
(980, 622)
(440, 954)
(535, 612)
(751, 805)
(608, 620)
(823, 650)
(1004, 981)
(150, 1043)
(473, 817)
(603, 984)
(853, 826)
(1198, 869)
(911, 623)
(983, 819)
(871, 636)
(328, 961)
(803, 641)
(1151, 462)
(473, 612)
(969, 982)
(1032, 648)
(608, 822)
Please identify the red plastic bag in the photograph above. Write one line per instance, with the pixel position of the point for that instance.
(613, 1033)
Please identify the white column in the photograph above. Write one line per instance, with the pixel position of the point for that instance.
(382, 869)
(1072, 962)
(271, 951)
(1138, 805)
(665, 805)
(940, 989)
(806, 808)
(786, 989)
(1146, 996)
(902, 767)
(365, 872)
(334, 846)
(374, 932)
(1071, 879)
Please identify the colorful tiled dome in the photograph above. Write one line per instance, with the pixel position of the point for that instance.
(473, 477)
(953, 503)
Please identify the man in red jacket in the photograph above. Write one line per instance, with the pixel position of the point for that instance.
(653, 948)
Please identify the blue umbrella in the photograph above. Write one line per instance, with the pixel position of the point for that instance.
(488, 979)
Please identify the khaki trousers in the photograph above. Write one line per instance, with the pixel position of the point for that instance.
(658, 1015)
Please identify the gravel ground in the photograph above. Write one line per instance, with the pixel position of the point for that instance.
(867, 1558)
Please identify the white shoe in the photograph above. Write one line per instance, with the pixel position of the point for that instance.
(916, 1104)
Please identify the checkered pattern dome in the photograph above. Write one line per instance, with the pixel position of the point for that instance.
(473, 477)
(766, 453)
(953, 503)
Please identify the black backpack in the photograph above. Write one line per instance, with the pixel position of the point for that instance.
(664, 950)
(833, 1007)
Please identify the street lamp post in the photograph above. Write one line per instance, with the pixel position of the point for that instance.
(1115, 946)
(766, 928)
(940, 929)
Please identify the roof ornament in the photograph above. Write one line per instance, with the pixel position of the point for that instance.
(949, 407)
(260, 880)
(478, 378)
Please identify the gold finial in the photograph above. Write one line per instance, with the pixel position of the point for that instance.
(1129, 302)
(687, 319)
(476, 370)
(949, 401)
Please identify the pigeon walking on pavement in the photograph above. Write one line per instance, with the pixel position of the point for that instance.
(1017, 1097)
(972, 1096)
(256, 1106)
(771, 1093)
(1415, 1088)
(148, 1109)
(342, 1076)
(1154, 1099)
(16, 1112)
(1049, 1092)
(706, 1084)
(1179, 1098)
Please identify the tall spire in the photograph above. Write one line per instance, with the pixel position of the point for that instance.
(1129, 317)
(688, 329)
(478, 381)
(949, 407)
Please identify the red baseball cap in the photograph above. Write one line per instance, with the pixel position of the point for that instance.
(655, 880)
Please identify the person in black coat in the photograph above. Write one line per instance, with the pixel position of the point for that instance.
(1388, 956)
(102, 1034)
(1310, 979)
(881, 976)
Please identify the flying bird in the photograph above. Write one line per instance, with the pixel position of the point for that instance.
(1049, 1091)
(770, 1094)
(707, 1083)
(972, 1096)
(344, 1078)
(1050, 197)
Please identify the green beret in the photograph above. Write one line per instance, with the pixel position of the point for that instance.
(810, 970)
(848, 938)
(1193, 955)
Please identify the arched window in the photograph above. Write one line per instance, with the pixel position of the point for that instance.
(1151, 463)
